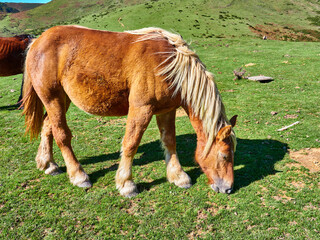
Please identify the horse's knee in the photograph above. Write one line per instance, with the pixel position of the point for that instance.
(129, 148)
(62, 136)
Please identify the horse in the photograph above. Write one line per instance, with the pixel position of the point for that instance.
(12, 55)
(137, 73)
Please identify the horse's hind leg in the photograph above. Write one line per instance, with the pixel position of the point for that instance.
(175, 174)
(44, 156)
(56, 109)
(21, 91)
(137, 123)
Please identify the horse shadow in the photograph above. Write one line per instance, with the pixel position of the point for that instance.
(10, 107)
(254, 160)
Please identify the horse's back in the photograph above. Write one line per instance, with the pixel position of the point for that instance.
(101, 72)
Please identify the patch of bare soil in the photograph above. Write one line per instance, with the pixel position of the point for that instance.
(276, 32)
(308, 157)
(19, 15)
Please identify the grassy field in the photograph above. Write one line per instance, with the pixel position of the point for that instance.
(274, 197)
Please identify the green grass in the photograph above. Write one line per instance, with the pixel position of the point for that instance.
(273, 197)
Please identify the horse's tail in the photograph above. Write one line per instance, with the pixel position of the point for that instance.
(32, 108)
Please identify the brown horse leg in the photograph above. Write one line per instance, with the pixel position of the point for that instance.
(175, 174)
(44, 156)
(137, 123)
(56, 109)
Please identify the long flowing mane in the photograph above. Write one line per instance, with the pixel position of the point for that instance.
(189, 77)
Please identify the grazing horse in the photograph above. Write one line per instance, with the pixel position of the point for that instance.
(137, 73)
(12, 55)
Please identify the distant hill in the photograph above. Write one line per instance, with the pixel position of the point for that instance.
(287, 20)
(4, 8)
(11, 8)
(58, 12)
(23, 6)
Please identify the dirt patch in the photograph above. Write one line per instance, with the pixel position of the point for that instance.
(19, 15)
(308, 157)
(108, 122)
(277, 32)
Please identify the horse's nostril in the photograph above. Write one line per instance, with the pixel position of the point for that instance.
(221, 188)
(215, 188)
(228, 191)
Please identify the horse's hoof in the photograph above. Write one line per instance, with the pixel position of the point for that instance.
(129, 189)
(131, 195)
(85, 184)
(186, 186)
(55, 172)
(181, 180)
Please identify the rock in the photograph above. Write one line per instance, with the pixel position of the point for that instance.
(262, 79)
(250, 64)
(274, 113)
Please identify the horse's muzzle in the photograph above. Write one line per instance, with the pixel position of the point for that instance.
(222, 186)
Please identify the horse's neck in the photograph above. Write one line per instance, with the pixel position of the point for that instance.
(198, 127)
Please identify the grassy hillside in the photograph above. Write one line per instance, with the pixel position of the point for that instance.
(9, 8)
(56, 12)
(281, 20)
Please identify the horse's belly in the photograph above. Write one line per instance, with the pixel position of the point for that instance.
(108, 105)
(98, 96)
(10, 67)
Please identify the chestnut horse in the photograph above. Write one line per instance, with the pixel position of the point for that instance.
(12, 55)
(137, 73)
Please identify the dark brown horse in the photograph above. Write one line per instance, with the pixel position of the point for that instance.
(138, 73)
(12, 55)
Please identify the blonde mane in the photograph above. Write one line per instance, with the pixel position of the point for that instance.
(189, 77)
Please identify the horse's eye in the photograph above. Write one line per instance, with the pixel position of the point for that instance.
(223, 156)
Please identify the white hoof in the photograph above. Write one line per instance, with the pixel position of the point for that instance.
(82, 180)
(85, 184)
(129, 189)
(181, 180)
(53, 169)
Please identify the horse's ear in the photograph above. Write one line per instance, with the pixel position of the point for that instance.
(233, 120)
(224, 133)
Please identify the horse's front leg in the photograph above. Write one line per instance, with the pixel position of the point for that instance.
(137, 123)
(175, 174)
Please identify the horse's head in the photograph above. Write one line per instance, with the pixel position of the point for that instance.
(218, 164)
